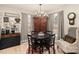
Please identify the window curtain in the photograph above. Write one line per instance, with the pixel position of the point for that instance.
(56, 24)
(27, 26)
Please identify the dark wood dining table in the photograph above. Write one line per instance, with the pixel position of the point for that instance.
(40, 39)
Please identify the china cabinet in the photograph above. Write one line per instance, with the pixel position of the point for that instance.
(40, 23)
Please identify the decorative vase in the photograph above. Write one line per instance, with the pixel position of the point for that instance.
(17, 20)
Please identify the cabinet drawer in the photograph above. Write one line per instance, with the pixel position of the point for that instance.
(9, 42)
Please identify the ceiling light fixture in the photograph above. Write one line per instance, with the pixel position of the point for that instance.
(40, 12)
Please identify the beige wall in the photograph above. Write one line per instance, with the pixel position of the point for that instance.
(75, 9)
(8, 10)
(26, 25)
(67, 9)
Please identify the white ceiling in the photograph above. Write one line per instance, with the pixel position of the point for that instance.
(33, 7)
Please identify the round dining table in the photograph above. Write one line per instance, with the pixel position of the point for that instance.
(41, 40)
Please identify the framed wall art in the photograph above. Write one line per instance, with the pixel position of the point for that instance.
(6, 19)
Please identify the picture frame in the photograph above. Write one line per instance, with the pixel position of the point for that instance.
(6, 19)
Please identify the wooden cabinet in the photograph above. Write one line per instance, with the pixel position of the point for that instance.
(37, 24)
(40, 23)
(43, 23)
(9, 40)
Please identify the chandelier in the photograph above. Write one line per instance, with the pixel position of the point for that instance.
(40, 12)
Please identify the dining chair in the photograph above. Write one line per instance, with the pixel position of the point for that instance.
(29, 42)
(32, 44)
(50, 43)
(34, 32)
(48, 32)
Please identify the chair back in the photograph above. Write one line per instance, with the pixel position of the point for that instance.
(48, 32)
(52, 38)
(72, 32)
(29, 39)
(33, 32)
(71, 36)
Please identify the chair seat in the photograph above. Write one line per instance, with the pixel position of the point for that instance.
(67, 47)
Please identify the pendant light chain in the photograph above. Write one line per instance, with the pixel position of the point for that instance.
(40, 8)
(40, 15)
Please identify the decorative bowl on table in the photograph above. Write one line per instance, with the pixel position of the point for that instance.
(40, 34)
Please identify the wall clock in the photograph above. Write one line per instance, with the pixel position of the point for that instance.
(71, 17)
